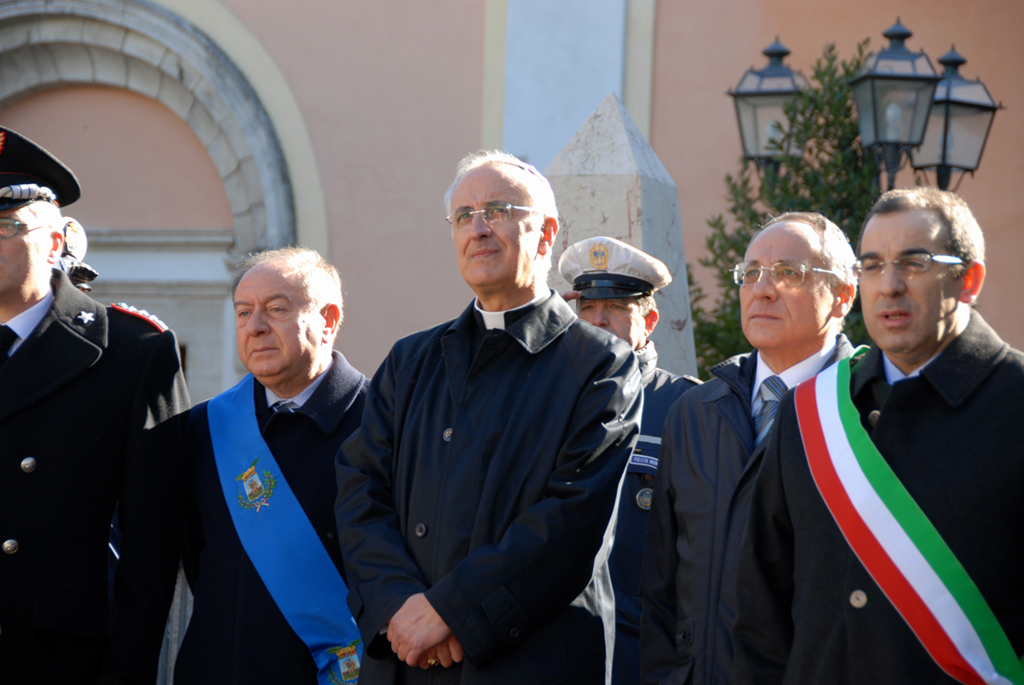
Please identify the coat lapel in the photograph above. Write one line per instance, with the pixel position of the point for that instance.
(62, 347)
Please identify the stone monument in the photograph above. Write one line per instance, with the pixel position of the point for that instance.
(608, 181)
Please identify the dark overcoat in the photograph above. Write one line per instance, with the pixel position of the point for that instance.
(92, 398)
(484, 474)
(236, 633)
(954, 437)
(701, 499)
(661, 390)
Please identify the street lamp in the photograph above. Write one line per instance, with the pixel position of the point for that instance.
(893, 91)
(958, 127)
(760, 98)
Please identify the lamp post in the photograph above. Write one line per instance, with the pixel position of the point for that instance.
(760, 98)
(893, 92)
(961, 117)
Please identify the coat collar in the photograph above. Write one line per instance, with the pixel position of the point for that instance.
(63, 345)
(534, 331)
(332, 398)
(963, 366)
(648, 358)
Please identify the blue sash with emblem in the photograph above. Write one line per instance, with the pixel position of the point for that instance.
(279, 539)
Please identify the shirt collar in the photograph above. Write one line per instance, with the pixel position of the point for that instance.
(794, 375)
(894, 375)
(494, 320)
(302, 397)
(23, 324)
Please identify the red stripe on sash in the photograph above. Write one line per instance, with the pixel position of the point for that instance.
(867, 548)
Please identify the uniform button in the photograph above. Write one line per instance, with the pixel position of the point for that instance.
(28, 464)
(858, 599)
(643, 498)
(10, 546)
(873, 416)
(421, 530)
(447, 435)
(514, 633)
(648, 477)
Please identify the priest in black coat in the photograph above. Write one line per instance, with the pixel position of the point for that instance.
(307, 399)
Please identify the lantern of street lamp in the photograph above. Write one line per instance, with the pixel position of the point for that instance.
(958, 127)
(760, 98)
(893, 92)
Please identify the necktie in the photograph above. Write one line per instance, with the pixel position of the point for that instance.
(7, 338)
(772, 390)
(284, 407)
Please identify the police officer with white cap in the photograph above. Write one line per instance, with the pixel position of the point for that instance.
(614, 284)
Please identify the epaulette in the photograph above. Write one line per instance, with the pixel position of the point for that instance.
(140, 313)
(693, 379)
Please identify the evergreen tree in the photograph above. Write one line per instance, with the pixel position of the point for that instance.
(834, 176)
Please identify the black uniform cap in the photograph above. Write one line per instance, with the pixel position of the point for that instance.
(22, 163)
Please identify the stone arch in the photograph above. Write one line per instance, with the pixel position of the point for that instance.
(141, 47)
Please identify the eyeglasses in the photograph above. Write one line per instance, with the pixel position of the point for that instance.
(495, 212)
(789, 275)
(908, 264)
(9, 227)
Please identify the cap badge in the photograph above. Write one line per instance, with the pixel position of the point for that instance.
(256, 493)
(86, 317)
(599, 257)
(75, 242)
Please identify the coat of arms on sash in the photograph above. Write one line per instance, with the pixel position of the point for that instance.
(256, 493)
(348, 664)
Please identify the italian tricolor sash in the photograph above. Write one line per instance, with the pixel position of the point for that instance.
(894, 539)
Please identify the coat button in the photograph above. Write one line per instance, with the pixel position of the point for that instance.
(447, 435)
(873, 416)
(28, 464)
(10, 546)
(421, 530)
(858, 599)
(514, 633)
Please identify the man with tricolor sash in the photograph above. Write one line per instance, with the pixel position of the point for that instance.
(796, 288)
(262, 553)
(886, 534)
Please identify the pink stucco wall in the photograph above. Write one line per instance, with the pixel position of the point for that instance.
(139, 164)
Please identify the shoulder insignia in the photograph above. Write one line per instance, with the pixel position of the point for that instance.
(140, 313)
(693, 379)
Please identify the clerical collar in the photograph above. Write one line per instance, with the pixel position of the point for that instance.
(497, 320)
(893, 373)
(302, 397)
(794, 375)
(23, 324)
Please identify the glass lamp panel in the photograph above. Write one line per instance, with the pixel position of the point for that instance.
(925, 95)
(895, 66)
(966, 139)
(923, 66)
(894, 110)
(774, 83)
(970, 91)
(930, 152)
(749, 82)
(761, 120)
(863, 97)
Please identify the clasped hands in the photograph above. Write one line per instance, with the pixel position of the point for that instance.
(420, 637)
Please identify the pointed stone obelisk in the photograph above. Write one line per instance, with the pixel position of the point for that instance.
(608, 181)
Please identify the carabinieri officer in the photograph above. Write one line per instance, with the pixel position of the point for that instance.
(90, 399)
(614, 284)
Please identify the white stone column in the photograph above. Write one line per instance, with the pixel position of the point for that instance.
(608, 181)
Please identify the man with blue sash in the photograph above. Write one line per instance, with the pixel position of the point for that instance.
(262, 553)
(614, 285)
(884, 543)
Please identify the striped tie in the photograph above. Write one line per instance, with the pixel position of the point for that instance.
(772, 390)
